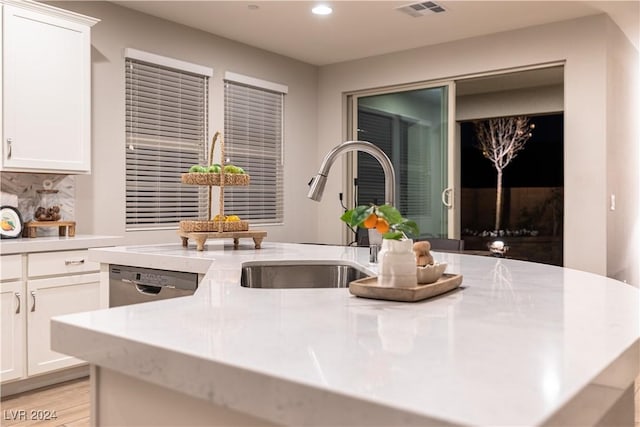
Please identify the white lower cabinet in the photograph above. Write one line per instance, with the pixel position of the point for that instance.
(34, 288)
(12, 330)
(54, 297)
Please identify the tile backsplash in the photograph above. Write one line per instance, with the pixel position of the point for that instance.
(25, 186)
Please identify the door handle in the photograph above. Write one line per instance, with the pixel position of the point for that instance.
(9, 141)
(446, 197)
(33, 295)
(148, 289)
(17, 295)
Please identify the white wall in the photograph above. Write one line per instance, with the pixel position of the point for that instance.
(578, 43)
(100, 196)
(544, 99)
(623, 153)
(601, 146)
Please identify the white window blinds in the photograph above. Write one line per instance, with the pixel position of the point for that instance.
(253, 141)
(166, 131)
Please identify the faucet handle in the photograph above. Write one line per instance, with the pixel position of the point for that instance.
(375, 243)
(374, 249)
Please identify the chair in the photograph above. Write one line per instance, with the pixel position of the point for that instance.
(444, 245)
(437, 244)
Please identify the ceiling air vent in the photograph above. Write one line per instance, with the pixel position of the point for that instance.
(420, 9)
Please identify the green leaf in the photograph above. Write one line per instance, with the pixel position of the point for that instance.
(391, 214)
(408, 227)
(347, 216)
(357, 215)
(361, 213)
(393, 235)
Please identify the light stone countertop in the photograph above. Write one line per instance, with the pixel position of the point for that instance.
(56, 243)
(519, 344)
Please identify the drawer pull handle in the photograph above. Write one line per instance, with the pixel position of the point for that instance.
(17, 295)
(33, 295)
(74, 262)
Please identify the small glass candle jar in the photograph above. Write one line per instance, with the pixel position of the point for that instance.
(48, 207)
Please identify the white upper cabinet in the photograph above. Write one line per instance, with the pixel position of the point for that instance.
(46, 64)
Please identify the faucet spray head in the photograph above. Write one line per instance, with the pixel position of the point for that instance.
(318, 182)
(316, 189)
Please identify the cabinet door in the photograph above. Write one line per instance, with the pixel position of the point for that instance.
(12, 333)
(46, 117)
(54, 297)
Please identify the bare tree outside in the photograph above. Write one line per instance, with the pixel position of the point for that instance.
(500, 140)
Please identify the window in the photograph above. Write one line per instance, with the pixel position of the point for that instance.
(253, 140)
(166, 133)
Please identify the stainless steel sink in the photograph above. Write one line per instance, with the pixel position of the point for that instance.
(299, 274)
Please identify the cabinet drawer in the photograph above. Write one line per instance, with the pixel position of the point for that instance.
(11, 267)
(63, 262)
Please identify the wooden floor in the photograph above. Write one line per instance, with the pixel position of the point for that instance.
(70, 401)
(637, 389)
(67, 402)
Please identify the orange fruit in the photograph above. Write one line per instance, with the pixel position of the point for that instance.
(370, 222)
(382, 226)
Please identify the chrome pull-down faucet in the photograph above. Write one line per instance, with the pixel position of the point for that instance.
(318, 182)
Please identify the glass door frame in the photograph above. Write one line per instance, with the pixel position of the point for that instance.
(451, 193)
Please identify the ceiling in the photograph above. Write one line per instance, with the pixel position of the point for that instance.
(358, 29)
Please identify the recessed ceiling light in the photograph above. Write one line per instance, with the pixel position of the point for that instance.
(322, 10)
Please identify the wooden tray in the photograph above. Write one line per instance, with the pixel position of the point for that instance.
(65, 228)
(369, 288)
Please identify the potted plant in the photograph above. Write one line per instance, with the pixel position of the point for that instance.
(385, 219)
(397, 263)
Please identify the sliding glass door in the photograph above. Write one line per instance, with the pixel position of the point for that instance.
(415, 129)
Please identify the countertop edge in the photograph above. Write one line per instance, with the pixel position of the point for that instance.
(276, 399)
(112, 255)
(46, 244)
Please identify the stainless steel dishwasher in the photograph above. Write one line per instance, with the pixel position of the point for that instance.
(133, 285)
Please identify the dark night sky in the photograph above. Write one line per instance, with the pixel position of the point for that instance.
(539, 164)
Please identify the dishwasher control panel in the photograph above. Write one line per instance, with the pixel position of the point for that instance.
(153, 277)
(132, 285)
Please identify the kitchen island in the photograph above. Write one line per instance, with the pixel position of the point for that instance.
(518, 344)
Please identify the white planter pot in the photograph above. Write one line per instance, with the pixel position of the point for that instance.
(397, 264)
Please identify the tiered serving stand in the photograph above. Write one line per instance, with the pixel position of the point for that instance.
(201, 230)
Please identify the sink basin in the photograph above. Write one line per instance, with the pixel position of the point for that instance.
(299, 274)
